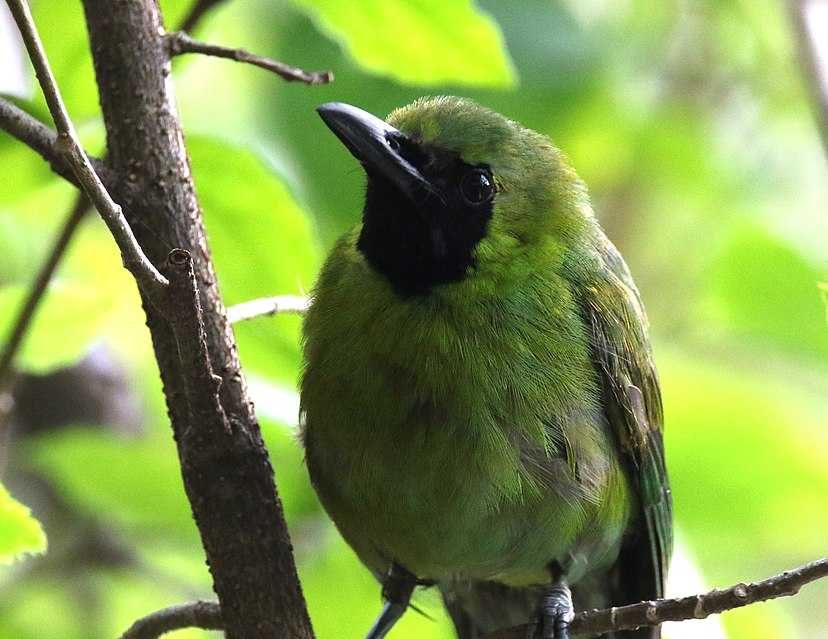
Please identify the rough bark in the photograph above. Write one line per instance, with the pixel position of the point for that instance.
(226, 470)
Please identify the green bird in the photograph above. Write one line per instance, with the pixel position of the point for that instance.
(480, 411)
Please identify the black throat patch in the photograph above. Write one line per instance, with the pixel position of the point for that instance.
(418, 245)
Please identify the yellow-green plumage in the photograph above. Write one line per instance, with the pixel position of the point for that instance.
(466, 431)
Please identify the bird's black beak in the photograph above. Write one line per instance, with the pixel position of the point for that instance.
(377, 145)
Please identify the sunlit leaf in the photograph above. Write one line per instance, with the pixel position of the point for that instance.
(423, 42)
(20, 533)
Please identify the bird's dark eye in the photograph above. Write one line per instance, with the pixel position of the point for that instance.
(477, 187)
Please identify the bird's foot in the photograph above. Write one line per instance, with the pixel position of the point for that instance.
(396, 591)
(557, 612)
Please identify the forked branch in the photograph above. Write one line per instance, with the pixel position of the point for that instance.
(69, 147)
(43, 141)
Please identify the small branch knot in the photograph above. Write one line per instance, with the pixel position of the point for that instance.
(171, 42)
(698, 609)
(179, 257)
(65, 144)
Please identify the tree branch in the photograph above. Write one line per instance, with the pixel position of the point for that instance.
(69, 147)
(198, 614)
(803, 13)
(43, 141)
(227, 476)
(653, 613)
(267, 306)
(179, 43)
(207, 615)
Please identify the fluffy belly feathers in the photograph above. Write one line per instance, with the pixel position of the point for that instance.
(450, 493)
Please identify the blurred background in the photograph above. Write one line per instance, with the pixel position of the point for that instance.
(690, 121)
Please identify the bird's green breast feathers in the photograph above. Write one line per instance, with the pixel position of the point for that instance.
(460, 428)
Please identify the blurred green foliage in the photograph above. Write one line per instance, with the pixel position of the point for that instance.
(691, 125)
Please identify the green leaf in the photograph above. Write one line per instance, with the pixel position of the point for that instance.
(20, 533)
(746, 452)
(422, 42)
(746, 449)
(91, 296)
(262, 244)
(753, 285)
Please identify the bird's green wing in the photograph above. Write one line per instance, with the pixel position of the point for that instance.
(631, 398)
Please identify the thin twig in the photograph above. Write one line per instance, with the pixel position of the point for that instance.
(41, 283)
(805, 24)
(43, 140)
(267, 306)
(647, 613)
(148, 277)
(198, 614)
(653, 613)
(197, 11)
(179, 43)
